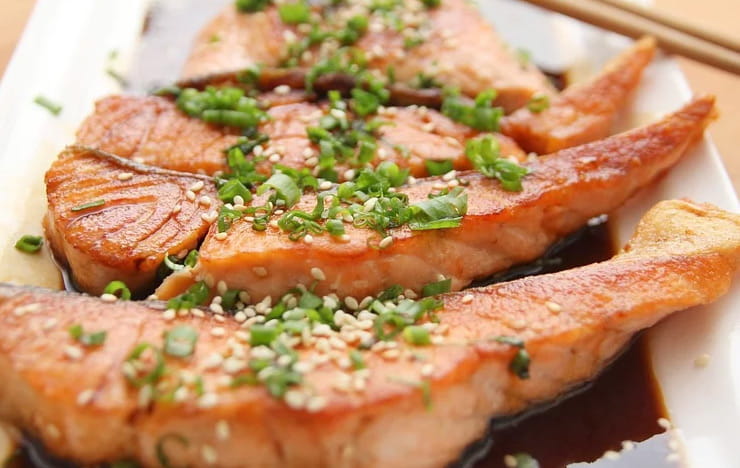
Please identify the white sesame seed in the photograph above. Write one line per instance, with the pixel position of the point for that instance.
(85, 396)
(468, 298)
(510, 461)
(316, 403)
(318, 274)
(274, 158)
(221, 236)
(210, 456)
(217, 309)
(222, 430)
(553, 307)
(312, 161)
(702, 360)
(349, 174)
(262, 352)
(209, 217)
(25, 309)
(260, 271)
(198, 186)
(49, 323)
(73, 352)
(218, 331)
(295, 399)
(308, 239)
(213, 360)
(190, 195)
(233, 365)
(123, 176)
(108, 297)
(181, 394)
(205, 200)
(628, 445)
(325, 185)
(427, 370)
(386, 242)
(351, 302)
(198, 313)
(146, 393)
(169, 314)
(208, 400)
(428, 127)
(611, 455)
(664, 423)
(282, 90)
(176, 209)
(391, 353)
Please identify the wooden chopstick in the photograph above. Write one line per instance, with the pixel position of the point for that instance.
(676, 23)
(625, 22)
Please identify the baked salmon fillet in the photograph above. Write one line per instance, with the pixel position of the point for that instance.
(584, 112)
(432, 44)
(494, 351)
(501, 228)
(111, 219)
(151, 130)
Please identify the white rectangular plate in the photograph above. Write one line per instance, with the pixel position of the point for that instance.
(65, 51)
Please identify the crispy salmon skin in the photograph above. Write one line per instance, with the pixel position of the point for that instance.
(408, 406)
(435, 50)
(111, 219)
(500, 229)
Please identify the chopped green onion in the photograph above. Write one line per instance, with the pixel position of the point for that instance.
(119, 289)
(357, 360)
(250, 6)
(439, 287)
(510, 340)
(438, 167)
(29, 244)
(233, 188)
(48, 104)
(157, 369)
(196, 295)
(431, 3)
(391, 293)
(525, 460)
(180, 341)
(481, 115)
(294, 13)
(171, 264)
(221, 106)
(416, 335)
(161, 455)
(538, 103)
(89, 205)
(519, 365)
(485, 155)
(285, 188)
(87, 338)
(441, 212)
(191, 259)
(262, 335)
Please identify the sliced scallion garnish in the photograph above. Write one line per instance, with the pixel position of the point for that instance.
(29, 244)
(118, 289)
(180, 341)
(48, 104)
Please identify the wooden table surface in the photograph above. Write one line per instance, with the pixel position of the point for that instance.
(720, 15)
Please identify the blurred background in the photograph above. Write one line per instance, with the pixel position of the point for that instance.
(720, 15)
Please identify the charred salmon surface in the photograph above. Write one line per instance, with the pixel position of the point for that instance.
(205, 389)
(111, 219)
(500, 228)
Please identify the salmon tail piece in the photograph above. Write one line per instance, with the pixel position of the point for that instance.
(83, 402)
(583, 112)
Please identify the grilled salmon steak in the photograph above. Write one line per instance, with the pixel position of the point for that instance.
(583, 112)
(501, 228)
(428, 46)
(166, 389)
(152, 130)
(112, 219)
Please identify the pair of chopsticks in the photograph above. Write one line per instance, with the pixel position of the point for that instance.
(672, 34)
